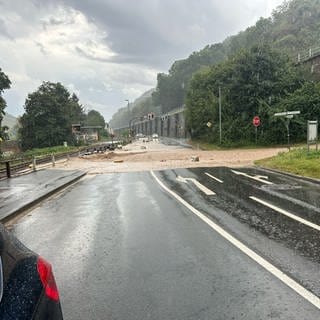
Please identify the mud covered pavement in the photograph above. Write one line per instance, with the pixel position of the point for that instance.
(155, 155)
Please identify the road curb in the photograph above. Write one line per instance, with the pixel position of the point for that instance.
(14, 213)
(292, 175)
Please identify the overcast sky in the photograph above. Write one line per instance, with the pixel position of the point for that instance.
(107, 51)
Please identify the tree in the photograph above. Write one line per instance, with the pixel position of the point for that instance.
(292, 28)
(253, 83)
(306, 100)
(4, 84)
(171, 88)
(94, 118)
(49, 113)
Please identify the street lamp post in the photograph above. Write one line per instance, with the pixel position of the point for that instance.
(220, 130)
(128, 104)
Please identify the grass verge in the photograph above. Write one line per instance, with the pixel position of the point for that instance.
(49, 150)
(202, 145)
(297, 161)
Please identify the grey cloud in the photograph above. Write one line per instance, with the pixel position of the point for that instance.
(87, 55)
(145, 35)
(157, 32)
(135, 29)
(3, 30)
(52, 22)
(55, 21)
(42, 48)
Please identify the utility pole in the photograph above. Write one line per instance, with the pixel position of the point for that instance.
(220, 130)
(128, 105)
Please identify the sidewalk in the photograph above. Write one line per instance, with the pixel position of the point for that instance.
(20, 193)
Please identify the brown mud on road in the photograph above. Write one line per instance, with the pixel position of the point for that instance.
(154, 155)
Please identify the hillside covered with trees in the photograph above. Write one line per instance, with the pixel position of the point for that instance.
(139, 108)
(257, 72)
(293, 28)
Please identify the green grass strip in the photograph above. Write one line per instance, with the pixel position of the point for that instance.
(297, 161)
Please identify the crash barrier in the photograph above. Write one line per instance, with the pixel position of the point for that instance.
(20, 165)
(17, 166)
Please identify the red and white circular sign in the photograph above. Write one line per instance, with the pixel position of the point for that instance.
(256, 121)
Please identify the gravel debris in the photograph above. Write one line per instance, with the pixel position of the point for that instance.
(158, 156)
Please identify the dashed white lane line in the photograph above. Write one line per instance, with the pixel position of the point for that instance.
(200, 186)
(286, 213)
(257, 178)
(213, 177)
(303, 292)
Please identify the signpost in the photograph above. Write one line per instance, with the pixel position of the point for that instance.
(256, 122)
(288, 115)
(312, 134)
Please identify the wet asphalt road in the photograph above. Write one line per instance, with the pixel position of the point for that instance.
(123, 248)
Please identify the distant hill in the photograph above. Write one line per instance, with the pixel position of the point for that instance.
(292, 28)
(143, 97)
(11, 122)
(140, 107)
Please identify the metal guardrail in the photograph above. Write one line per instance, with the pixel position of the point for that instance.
(307, 55)
(18, 166)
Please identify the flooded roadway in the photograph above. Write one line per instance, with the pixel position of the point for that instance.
(122, 247)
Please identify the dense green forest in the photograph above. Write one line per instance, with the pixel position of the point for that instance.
(268, 50)
(256, 81)
(293, 28)
(49, 114)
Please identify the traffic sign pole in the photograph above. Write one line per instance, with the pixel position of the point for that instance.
(256, 122)
(256, 135)
(288, 115)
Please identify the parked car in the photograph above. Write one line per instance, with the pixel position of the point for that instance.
(27, 286)
(139, 135)
(155, 137)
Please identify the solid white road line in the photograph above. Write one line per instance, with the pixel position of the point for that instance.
(200, 186)
(309, 296)
(286, 213)
(203, 188)
(212, 177)
(257, 178)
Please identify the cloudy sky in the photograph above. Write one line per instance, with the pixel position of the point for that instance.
(107, 51)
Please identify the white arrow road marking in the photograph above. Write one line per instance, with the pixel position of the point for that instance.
(212, 177)
(262, 177)
(286, 213)
(200, 186)
(291, 283)
(181, 179)
(257, 178)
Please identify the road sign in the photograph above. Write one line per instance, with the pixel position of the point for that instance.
(312, 134)
(256, 121)
(286, 113)
(312, 131)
